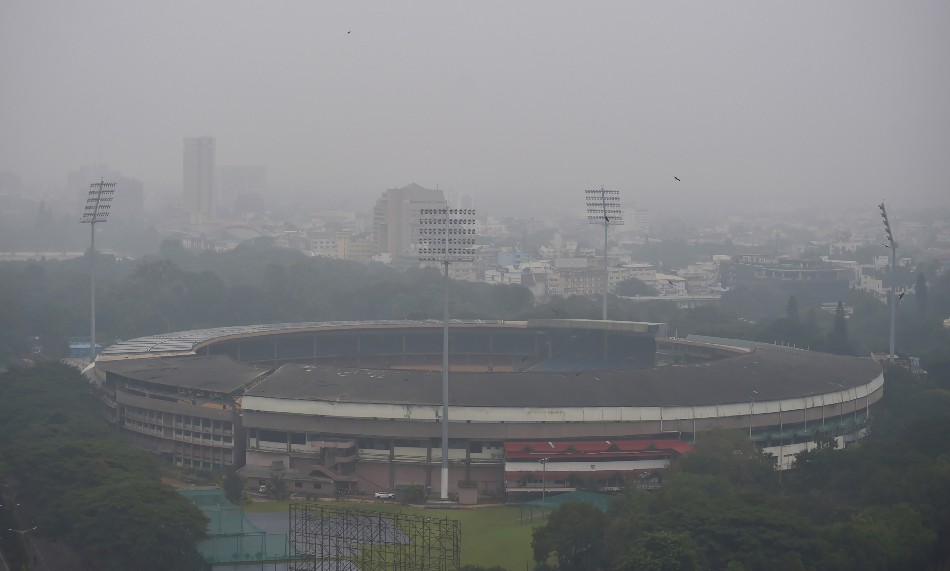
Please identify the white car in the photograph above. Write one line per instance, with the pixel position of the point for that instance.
(384, 495)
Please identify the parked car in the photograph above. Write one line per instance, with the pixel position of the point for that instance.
(384, 495)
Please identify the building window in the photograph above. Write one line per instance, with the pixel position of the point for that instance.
(317, 485)
(273, 436)
(298, 484)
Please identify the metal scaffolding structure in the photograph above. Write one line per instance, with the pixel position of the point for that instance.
(330, 538)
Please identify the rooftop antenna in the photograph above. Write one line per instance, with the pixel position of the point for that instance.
(97, 210)
(891, 302)
(603, 207)
(446, 235)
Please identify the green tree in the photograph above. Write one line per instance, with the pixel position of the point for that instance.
(85, 485)
(277, 485)
(632, 287)
(730, 454)
(574, 535)
(233, 485)
(661, 551)
(791, 308)
(838, 341)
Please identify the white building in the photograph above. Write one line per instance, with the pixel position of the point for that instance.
(669, 284)
(646, 273)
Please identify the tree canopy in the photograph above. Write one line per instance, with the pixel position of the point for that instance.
(85, 484)
(882, 504)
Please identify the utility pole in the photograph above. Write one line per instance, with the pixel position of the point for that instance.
(544, 480)
(97, 210)
(446, 235)
(603, 207)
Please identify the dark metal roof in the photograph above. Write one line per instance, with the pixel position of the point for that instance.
(768, 373)
(188, 341)
(217, 373)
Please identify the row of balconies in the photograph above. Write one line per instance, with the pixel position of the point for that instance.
(205, 456)
(158, 431)
(182, 407)
(202, 429)
(143, 429)
(304, 450)
(179, 425)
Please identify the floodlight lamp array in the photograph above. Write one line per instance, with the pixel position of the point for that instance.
(446, 235)
(98, 202)
(603, 207)
(887, 226)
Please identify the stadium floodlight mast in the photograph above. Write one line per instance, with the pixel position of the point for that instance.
(891, 302)
(446, 235)
(603, 207)
(97, 210)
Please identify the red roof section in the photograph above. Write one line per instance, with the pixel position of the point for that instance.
(623, 448)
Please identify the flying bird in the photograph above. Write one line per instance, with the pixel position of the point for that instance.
(677, 179)
(900, 296)
(555, 311)
(671, 282)
(22, 531)
(885, 245)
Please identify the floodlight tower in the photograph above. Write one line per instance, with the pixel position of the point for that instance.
(603, 207)
(891, 302)
(97, 210)
(446, 235)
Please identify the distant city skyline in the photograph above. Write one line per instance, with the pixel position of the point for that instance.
(749, 105)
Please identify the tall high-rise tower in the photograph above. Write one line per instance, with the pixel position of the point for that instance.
(393, 213)
(198, 169)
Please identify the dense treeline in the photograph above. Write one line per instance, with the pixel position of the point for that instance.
(82, 483)
(883, 504)
(179, 290)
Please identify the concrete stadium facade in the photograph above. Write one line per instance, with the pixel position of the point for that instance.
(357, 405)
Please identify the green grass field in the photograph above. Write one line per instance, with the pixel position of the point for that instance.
(490, 535)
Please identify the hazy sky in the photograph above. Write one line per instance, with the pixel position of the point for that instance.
(514, 102)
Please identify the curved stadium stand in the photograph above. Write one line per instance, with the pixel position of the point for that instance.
(344, 406)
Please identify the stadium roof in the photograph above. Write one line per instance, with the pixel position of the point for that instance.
(768, 373)
(189, 341)
(217, 373)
